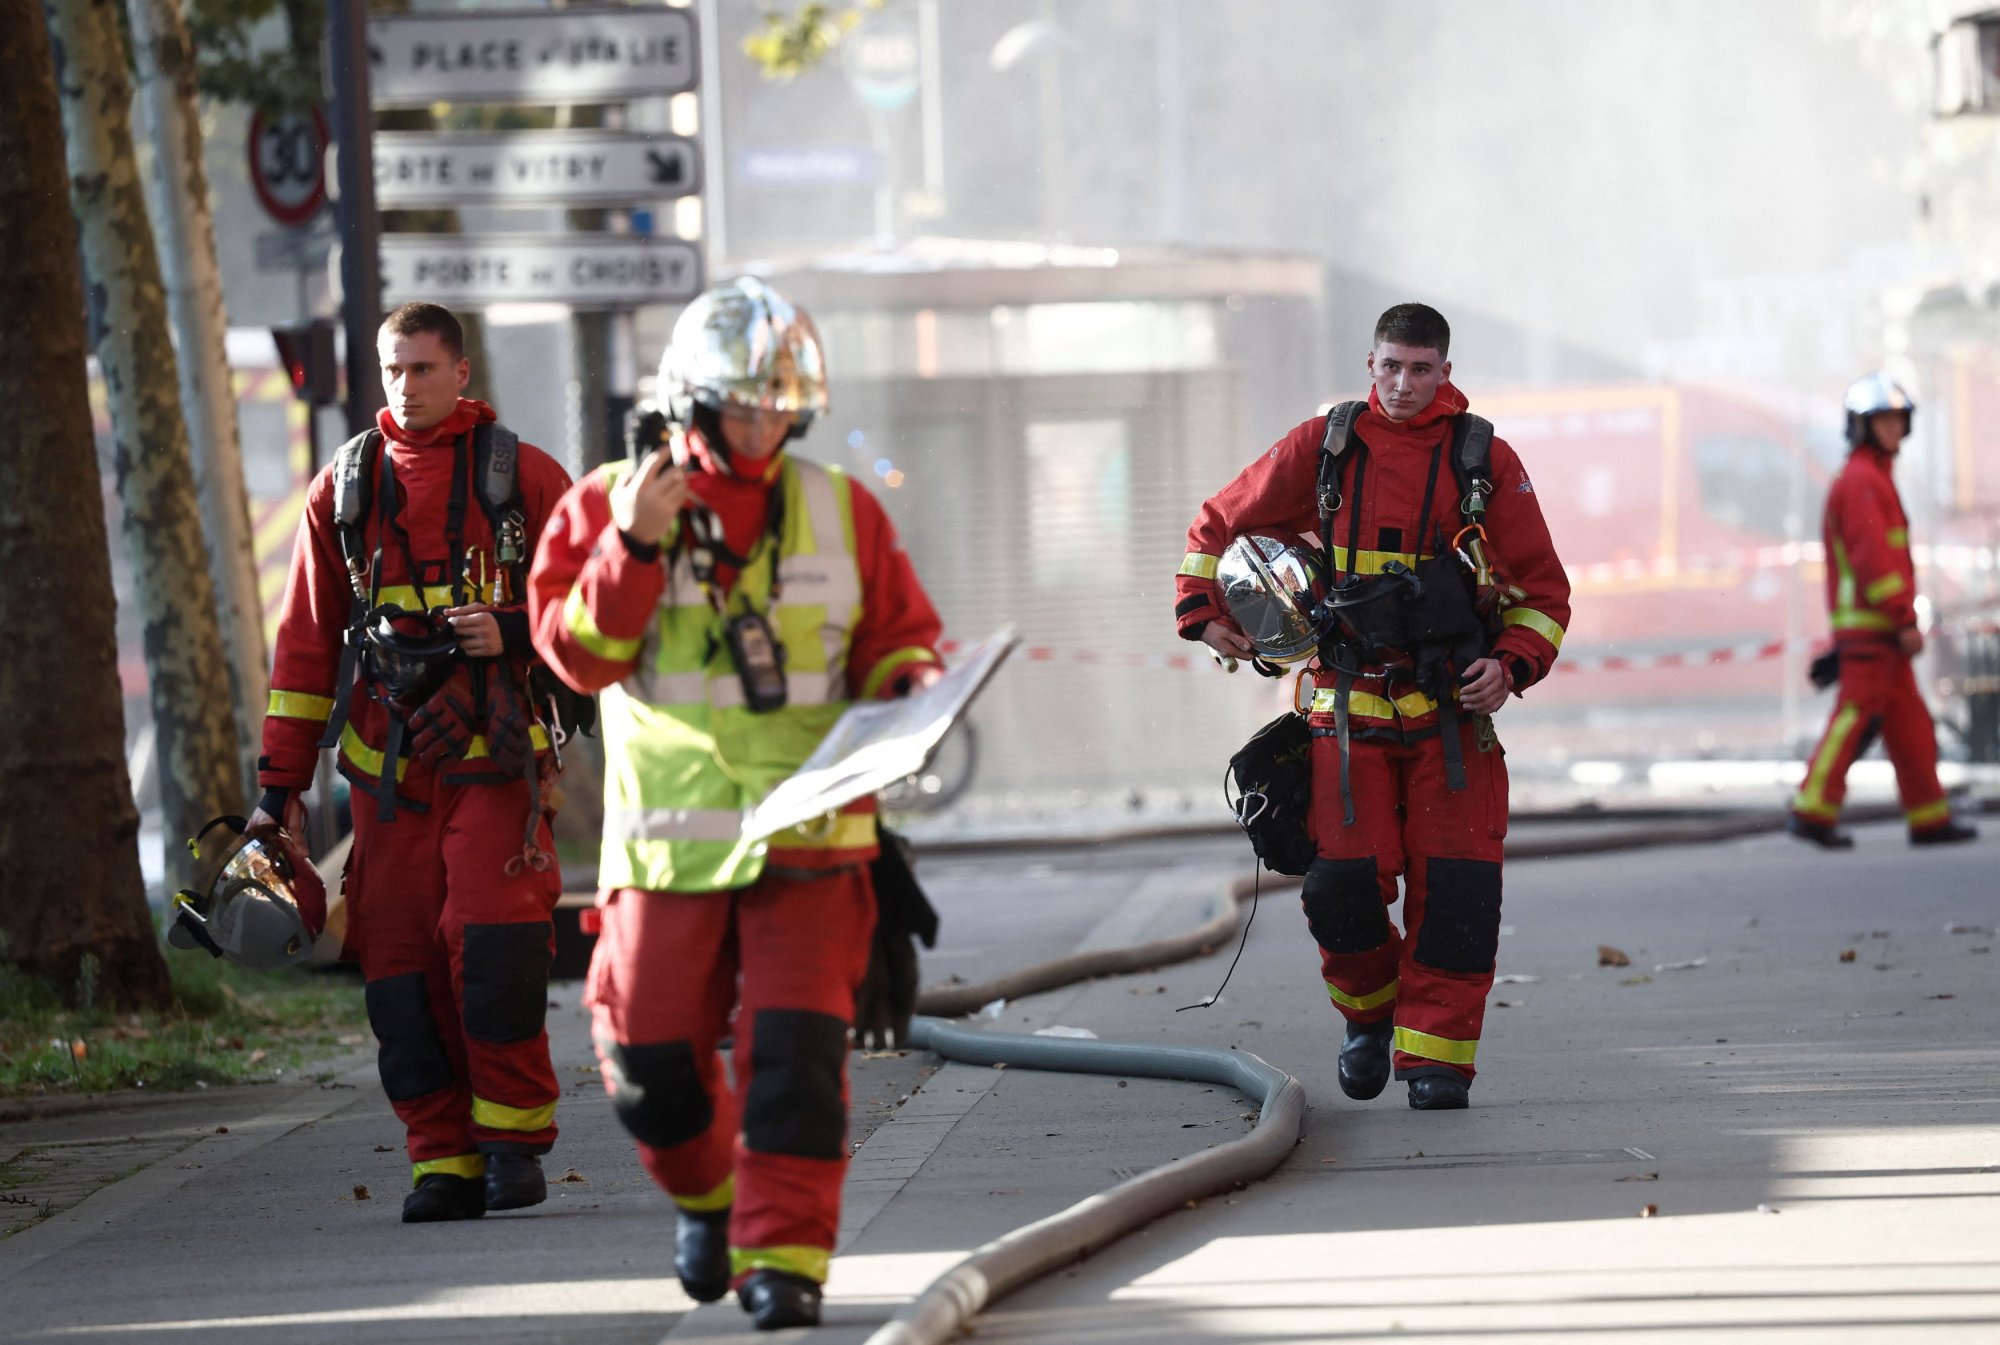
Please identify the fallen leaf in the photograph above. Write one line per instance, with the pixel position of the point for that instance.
(1607, 956)
(1637, 980)
(1847, 956)
(383, 1149)
(1122, 1083)
(1641, 1177)
(222, 1130)
(1648, 1211)
(361, 1192)
(573, 1176)
(259, 1055)
(1506, 1003)
(1943, 997)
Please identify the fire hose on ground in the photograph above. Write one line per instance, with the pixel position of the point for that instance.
(943, 1309)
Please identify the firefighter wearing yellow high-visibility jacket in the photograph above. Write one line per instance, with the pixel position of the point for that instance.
(1871, 588)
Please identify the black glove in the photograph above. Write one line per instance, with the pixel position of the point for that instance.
(1824, 670)
(645, 430)
(442, 726)
(888, 994)
(508, 723)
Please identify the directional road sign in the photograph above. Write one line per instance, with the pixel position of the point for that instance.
(426, 168)
(530, 56)
(583, 270)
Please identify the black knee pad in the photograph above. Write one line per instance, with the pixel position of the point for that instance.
(1461, 927)
(657, 1092)
(1343, 901)
(412, 1060)
(794, 1106)
(506, 981)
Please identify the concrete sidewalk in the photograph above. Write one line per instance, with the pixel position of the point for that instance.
(1815, 1137)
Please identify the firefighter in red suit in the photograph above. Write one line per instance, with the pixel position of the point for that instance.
(1416, 997)
(1871, 590)
(668, 584)
(450, 881)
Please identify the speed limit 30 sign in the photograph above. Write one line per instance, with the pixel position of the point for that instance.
(288, 165)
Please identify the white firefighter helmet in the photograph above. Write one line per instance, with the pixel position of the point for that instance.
(258, 901)
(1270, 586)
(1870, 395)
(744, 344)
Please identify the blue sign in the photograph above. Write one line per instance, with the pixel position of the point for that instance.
(808, 166)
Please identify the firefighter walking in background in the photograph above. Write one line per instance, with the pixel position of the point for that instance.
(1446, 597)
(731, 599)
(404, 643)
(1871, 589)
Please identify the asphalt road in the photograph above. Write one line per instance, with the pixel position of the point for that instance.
(1854, 1100)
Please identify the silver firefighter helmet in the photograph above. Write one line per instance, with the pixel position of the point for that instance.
(1870, 395)
(1270, 586)
(744, 344)
(258, 901)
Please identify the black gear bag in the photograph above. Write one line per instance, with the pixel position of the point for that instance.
(1272, 774)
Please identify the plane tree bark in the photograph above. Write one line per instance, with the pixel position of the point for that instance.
(187, 682)
(69, 833)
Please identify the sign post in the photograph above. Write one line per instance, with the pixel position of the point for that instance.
(360, 227)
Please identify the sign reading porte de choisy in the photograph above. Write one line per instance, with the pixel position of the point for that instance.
(582, 270)
(531, 56)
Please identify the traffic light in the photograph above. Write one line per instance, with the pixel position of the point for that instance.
(307, 354)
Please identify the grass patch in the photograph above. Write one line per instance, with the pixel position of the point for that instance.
(230, 1025)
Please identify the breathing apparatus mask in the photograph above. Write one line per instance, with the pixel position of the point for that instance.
(258, 900)
(408, 654)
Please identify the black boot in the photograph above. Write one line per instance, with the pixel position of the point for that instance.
(1364, 1059)
(701, 1254)
(440, 1197)
(1950, 833)
(1823, 834)
(776, 1299)
(514, 1181)
(1440, 1092)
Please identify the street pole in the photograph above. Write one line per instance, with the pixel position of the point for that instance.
(354, 206)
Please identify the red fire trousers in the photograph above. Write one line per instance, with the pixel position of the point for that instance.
(456, 955)
(1445, 846)
(1878, 695)
(786, 954)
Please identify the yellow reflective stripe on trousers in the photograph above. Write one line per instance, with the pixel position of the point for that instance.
(721, 1198)
(890, 664)
(300, 705)
(1888, 586)
(1929, 814)
(1412, 1042)
(458, 1165)
(580, 623)
(1199, 564)
(1363, 1003)
(500, 1116)
(810, 1262)
(1810, 801)
(1367, 705)
(1536, 622)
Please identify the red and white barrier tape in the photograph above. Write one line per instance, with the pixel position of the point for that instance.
(1697, 657)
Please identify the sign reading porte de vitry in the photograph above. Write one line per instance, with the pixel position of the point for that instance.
(532, 56)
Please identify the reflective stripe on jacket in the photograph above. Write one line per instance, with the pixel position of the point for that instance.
(1871, 582)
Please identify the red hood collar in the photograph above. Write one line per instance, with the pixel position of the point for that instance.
(1448, 402)
(469, 415)
(766, 473)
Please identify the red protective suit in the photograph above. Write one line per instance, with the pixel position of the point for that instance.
(785, 953)
(454, 949)
(1444, 844)
(1871, 591)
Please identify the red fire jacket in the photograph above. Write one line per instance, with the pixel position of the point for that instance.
(898, 628)
(1871, 583)
(1277, 494)
(319, 601)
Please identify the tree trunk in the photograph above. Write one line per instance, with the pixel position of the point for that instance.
(69, 834)
(186, 681)
(186, 233)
